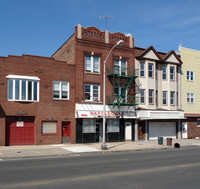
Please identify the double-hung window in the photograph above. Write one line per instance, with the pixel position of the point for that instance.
(120, 93)
(164, 72)
(142, 69)
(22, 88)
(92, 92)
(190, 97)
(172, 97)
(92, 64)
(120, 67)
(190, 75)
(142, 96)
(172, 73)
(164, 97)
(151, 96)
(61, 90)
(150, 70)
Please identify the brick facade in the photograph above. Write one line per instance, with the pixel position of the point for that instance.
(47, 70)
(193, 129)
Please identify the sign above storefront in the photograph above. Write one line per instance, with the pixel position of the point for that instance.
(96, 111)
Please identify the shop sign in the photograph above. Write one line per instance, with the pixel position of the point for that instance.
(20, 124)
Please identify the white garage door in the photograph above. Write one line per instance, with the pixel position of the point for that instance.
(162, 129)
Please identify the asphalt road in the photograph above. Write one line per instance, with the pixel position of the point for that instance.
(167, 168)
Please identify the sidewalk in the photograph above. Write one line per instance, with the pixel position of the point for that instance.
(64, 149)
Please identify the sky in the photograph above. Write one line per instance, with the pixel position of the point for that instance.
(40, 27)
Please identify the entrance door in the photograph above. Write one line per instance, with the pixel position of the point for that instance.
(184, 130)
(66, 132)
(128, 131)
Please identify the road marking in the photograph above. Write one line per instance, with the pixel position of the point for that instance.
(79, 149)
(90, 177)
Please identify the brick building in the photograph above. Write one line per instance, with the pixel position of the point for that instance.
(87, 49)
(37, 100)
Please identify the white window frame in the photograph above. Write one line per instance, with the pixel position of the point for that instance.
(91, 67)
(119, 66)
(60, 90)
(190, 98)
(22, 79)
(172, 98)
(151, 71)
(92, 93)
(120, 92)
(152, 97)
(172, 74)
(142, 96)
(164, 98)
(142, 70)
(189, 76)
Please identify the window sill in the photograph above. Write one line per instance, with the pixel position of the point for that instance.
(48, 134)
(22, 101)
(60, 99)
(95, 73)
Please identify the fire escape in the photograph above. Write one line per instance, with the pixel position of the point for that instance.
(124, 84)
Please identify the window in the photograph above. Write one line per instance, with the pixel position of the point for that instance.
(151, 96)
(171, 73)
(190, 97)
(190, 76)
(142, 96)
(198, 122)
(164, 72)
(89, 126)
(164, 97)
(142, 68)
(120, 92)
(49, 127)
(22, 88)
(92, 92)
(61, 90)
(112, 125)
(172, 96)
(120, 67)
(151, 70)
(92, 63)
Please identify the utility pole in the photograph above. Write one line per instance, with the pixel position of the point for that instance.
(106, 19)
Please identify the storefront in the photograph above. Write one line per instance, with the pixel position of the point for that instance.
(89, 123)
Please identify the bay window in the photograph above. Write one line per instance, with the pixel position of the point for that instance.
(22, 88)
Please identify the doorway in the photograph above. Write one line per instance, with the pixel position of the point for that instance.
(184, 130)
(66, 132)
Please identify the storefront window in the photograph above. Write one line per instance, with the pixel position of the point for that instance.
(112, 125)
(89, 126)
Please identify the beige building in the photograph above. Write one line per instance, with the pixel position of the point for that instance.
(158, 112)
(190, 91)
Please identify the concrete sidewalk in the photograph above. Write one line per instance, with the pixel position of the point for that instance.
(64, 149)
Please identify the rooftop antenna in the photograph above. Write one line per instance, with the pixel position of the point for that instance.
(106, 19)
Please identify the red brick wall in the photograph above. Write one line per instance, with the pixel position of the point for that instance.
(193, 130)
(48, 70)
(66, 51)
(86, 48)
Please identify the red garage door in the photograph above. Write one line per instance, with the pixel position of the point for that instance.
(20, 130)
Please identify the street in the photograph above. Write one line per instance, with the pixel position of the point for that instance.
(166, 168)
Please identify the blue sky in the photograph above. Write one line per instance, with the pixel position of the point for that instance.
(40, 27)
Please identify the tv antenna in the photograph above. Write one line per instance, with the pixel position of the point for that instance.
(106, 19)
